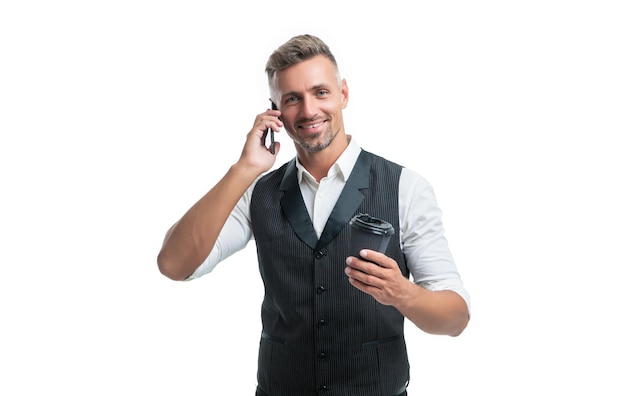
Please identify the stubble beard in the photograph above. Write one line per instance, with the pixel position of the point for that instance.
(312, 144)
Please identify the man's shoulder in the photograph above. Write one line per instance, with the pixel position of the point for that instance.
(275, 176)
(408, 176)
(382, 160)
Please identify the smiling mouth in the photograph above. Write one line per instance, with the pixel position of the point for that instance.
(312, 126)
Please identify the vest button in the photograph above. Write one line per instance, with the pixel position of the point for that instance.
(321, 289)
(324, 388)
(319, 254)
(322, 356)
(321, 323)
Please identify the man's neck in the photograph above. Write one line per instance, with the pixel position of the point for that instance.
(319, 163)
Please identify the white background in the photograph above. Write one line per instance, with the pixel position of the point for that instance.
(117, 116)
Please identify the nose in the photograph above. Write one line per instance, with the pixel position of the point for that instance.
(309, 109)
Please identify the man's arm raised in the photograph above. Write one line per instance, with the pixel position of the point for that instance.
(190, 240)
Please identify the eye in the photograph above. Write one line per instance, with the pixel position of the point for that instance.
(322, 92)
(291, 99)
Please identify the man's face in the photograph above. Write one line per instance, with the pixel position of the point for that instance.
(311, 101)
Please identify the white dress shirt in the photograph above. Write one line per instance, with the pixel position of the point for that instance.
(422, 237)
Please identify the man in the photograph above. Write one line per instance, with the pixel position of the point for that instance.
(332, 323)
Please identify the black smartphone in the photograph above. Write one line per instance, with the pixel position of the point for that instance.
(271, 131)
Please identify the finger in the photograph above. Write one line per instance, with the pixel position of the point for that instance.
(268, 119)
(366, 266)
(273, 112)
(378, 258)
(364, 277)
(268, 123)
(276, 147)
(361, 286)
(358, 263)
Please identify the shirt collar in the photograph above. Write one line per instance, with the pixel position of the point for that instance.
(342, 167)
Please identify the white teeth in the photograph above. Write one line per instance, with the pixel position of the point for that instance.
(312, 126)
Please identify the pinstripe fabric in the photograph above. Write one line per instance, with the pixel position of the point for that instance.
(320, 334)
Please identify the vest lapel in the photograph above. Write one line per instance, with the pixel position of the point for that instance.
(349, 200)
(347, 204)
(294, 208)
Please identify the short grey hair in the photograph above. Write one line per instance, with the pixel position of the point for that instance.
(298, 49)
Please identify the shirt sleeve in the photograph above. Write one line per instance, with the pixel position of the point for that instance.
(422, 237)
(235, 235)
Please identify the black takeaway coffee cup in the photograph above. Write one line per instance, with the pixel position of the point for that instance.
(367, 232)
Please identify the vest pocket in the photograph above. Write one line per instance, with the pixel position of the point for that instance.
(380, 342)
(392, 362)
(284, 369)
(265, 336)
(265, 372)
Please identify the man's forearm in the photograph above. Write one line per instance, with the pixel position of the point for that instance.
(435, 312)
(189, 241)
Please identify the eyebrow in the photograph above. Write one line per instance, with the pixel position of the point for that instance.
(320, 86)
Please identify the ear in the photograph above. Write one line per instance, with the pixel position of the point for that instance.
(345, 94)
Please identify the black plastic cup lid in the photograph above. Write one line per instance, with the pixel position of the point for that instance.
(372, 224)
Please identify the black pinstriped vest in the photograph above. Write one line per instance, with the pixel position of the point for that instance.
(320, 334)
